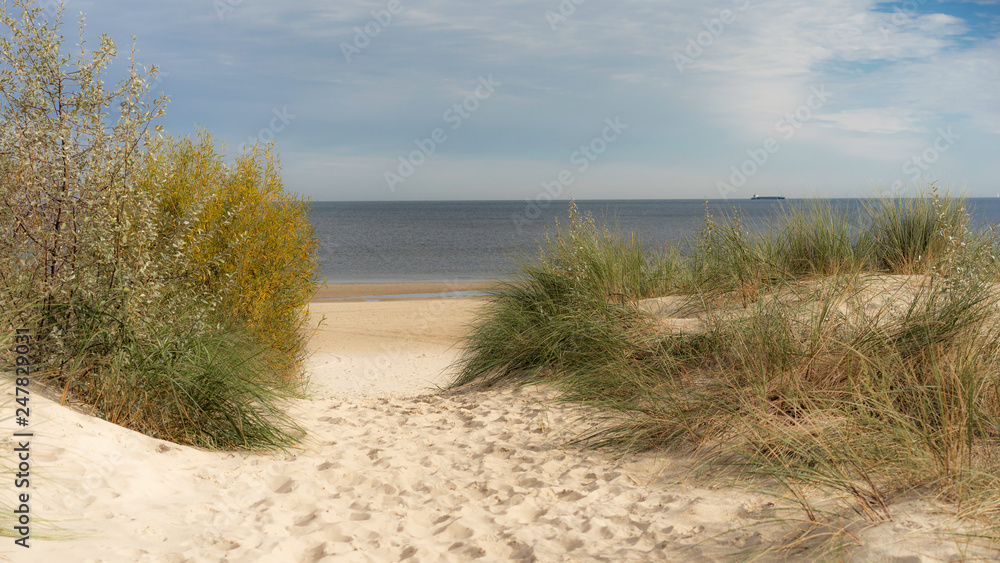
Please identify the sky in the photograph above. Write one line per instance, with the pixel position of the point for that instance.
(633, 99)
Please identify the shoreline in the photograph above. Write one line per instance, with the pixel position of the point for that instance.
(365, 291)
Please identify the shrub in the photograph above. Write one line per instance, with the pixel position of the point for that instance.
(156, 291)
(67, 202)
(234, 237)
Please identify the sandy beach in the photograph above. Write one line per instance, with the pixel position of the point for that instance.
(392, 469)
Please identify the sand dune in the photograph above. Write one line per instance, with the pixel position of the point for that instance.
(392, 471)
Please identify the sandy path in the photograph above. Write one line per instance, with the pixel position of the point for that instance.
(389, 473)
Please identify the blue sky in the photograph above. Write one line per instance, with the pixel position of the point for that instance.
(515, 99)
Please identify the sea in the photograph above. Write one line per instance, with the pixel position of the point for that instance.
(458, 241)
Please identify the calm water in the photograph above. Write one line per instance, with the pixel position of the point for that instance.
(473, 240)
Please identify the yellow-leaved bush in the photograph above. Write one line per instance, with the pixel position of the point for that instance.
(236, 240)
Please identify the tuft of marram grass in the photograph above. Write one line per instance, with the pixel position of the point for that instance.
(566, 305)
(903, 234)
(817, 239)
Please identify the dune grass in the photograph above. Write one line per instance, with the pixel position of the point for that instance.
(566, 305)
(853, 355)
(175, 379)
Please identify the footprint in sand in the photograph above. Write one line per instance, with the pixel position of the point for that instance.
(531, 483)
(570, 496)
(327, 360)
(305, 520)
(327, 465)
(571, 543)
(454, 531)
(334, 533)
(282, 485)
(360, 516)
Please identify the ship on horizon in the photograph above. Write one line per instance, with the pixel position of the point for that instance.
(755, 196)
